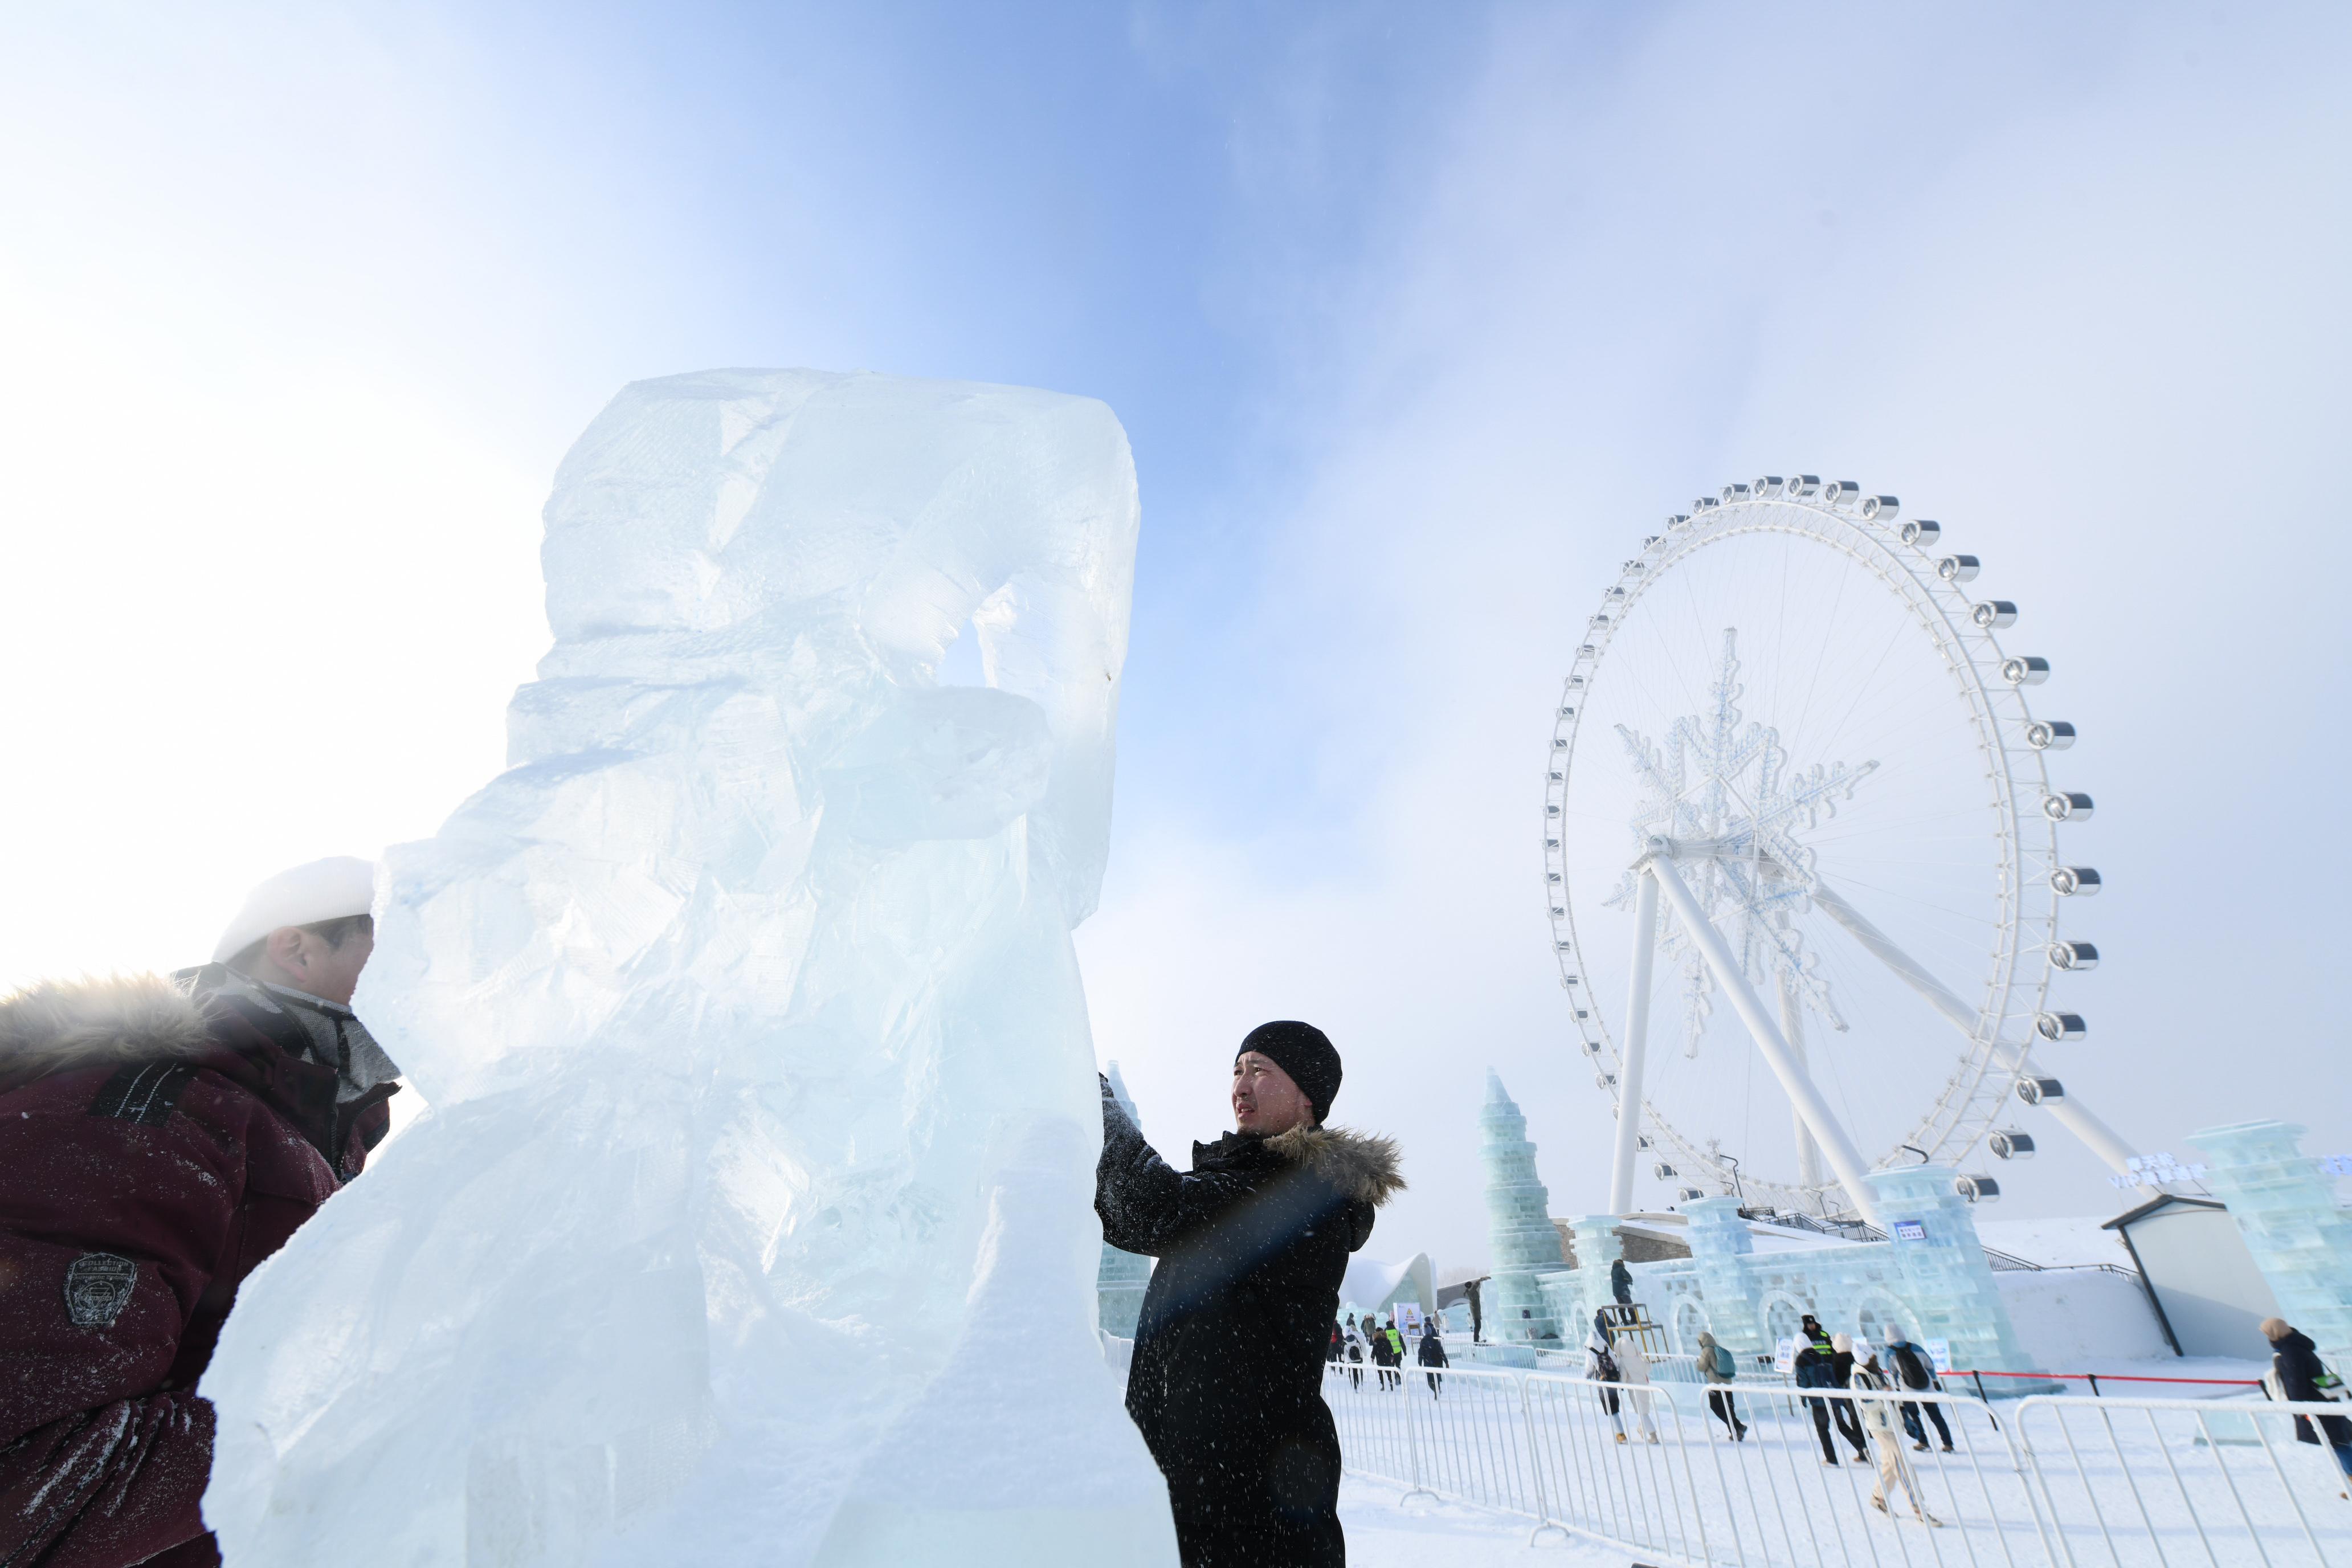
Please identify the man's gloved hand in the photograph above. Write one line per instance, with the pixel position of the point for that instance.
(1116, 1123)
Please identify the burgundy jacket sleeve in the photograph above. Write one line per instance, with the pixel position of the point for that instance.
(121, 1200)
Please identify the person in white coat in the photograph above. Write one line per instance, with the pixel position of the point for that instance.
(1633, 1370)
(1882, 1422)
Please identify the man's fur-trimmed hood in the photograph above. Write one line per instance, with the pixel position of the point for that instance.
(1366, 1168)
(63, 1026)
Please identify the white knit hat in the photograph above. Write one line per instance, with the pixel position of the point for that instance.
(322, 890)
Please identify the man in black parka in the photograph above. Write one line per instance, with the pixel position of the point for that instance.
(1226, 1382)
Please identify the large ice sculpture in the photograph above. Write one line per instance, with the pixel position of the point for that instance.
(751, 1222)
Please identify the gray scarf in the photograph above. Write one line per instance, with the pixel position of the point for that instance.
(336, 1039)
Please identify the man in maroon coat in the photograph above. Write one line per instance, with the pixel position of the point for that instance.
(158, 1140)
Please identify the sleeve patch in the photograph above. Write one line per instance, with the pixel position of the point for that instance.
(145, 1094)
(97, 1286)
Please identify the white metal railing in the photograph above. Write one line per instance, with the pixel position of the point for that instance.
(2162, 1481)
(2044, 1482)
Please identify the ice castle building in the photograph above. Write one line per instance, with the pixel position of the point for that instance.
(1525, 1245)
(1120, 1279)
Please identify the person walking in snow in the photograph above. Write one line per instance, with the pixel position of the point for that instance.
(1719, 1370)
(159, 1140)
(1433, 1355)
(1355, 1363)
(1815, 1368)
(2302, 1375)
(1385, 1352)
(1913, 1368)
(1841, 1364)
(1253, 1243)
(1633, 1371)
(1878, 1419)
(1395, 1338)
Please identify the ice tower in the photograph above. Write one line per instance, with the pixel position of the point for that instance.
(1518, 1222)
(751, 1221)
(2284, 1204)
(1120, 1279)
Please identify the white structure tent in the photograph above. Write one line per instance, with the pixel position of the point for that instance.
(1378, 1287)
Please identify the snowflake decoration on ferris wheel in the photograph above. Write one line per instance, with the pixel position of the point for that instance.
(1728, 798)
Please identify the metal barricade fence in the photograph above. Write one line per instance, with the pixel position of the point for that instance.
(1778, 1478)
(2123, 1483)
(1453, 1432)
(1475, 1441)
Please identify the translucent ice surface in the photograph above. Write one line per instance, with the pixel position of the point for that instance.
(751, 1221)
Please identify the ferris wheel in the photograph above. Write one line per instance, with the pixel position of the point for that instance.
(1803, 854)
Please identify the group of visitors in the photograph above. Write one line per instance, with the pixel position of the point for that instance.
(1346, 1347)
(1826, 1361)
(1875, 1428)
(1878, 1430)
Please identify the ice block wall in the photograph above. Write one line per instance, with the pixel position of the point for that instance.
(2285, 1206)
(752, 1220)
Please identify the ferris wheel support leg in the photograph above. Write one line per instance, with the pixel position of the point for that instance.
(1907, 968)
(1792, 1025)
(1637, 1032)
(1843, 1158)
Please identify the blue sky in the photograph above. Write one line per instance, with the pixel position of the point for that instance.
(1416, 317)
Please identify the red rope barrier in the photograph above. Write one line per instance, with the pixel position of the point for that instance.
(2110, 1377)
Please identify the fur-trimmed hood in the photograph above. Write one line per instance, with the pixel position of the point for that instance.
(62, 1026)
(1364, 1166)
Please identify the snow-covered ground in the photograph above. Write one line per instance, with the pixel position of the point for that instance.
(1384, 1532)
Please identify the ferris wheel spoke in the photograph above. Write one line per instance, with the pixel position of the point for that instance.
(1908, 970)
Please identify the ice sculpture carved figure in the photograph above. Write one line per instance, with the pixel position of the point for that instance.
(751, 1221)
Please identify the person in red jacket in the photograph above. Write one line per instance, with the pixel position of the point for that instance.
(158, 1140)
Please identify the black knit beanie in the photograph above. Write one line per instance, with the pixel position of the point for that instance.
(1304, 1052)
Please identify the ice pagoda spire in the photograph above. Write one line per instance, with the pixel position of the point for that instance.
(1519, 1228)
